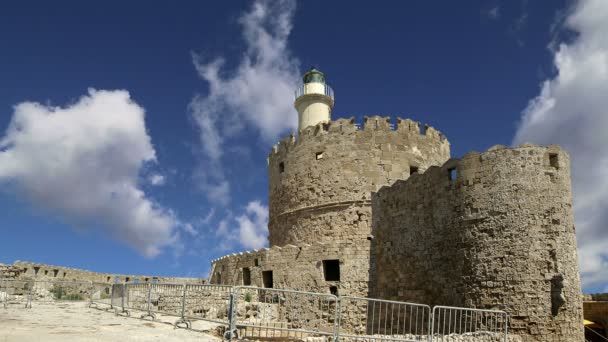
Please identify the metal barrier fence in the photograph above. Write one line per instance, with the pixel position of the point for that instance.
(101, 294)
(252, 312)
(14, 291)
(267, 312)
(374, 319)
(463, 324)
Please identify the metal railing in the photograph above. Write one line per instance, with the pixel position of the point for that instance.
(253, 312)
(327, 91)
(375, 319)
(270, 313)
(454, 324)
(14, 291)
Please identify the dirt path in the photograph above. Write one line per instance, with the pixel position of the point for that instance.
(77, 322)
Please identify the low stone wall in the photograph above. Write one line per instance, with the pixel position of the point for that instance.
(304, 267)
(30, 270)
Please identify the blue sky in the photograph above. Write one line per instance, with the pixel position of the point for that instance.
(167, 191)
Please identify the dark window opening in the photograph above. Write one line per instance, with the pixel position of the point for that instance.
(333, 290)
(452, 173)
(331, 270)
(25, 270)
(413, 169)
(267, 279)
(553, 161)
(376, 124)
(46, 272)
(319, 155)
(55, 272)
(107, 290)
(36, 269)
(64, 274)
(108, 280)
(246, 276)
(147, 280)
(127, 280)
(256, 263)
(281, 167)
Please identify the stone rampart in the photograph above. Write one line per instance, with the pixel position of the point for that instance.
(320, 182)
(50, 272)
(319, 267)
(492, 230)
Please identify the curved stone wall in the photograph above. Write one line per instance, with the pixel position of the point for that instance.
(493, 230)
(320, 183)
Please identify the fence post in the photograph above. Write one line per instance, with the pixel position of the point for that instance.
(337, 330)
(148, 312)
(183, 319)
(231, 317)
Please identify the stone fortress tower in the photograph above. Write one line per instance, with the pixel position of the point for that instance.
(382, 211)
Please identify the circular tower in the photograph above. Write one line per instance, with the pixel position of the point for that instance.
(321, 181)
(314, 100)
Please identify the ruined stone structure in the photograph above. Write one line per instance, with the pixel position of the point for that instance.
(30, 270)
(383, 211)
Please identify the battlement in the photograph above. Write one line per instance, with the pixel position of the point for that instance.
(44, 271)
(348, 126)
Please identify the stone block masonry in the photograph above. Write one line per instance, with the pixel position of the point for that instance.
(31, 270)
(493, 230)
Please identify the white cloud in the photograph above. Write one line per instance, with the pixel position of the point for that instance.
(253, 226)
(156, 179)
(572, 110)
(249, 230)
(258, 93)
(82, 162)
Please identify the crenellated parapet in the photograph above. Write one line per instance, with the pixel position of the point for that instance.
(347, 126)
(39, 271)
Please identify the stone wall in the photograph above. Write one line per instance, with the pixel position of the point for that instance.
(298, 267)
(320, 183)
(596, 312)
(50, 272)
(493, 230)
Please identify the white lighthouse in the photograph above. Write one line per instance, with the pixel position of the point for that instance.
(314, 100)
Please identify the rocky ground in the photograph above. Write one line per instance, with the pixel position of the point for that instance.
(74, 321)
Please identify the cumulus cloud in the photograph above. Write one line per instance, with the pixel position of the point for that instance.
(82, 162)
(258, 93)
(249, 230)
(572, 110)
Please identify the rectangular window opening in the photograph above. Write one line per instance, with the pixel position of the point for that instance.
(36, 269)
(107, 279)
(331, 270)
(46, 272)
(267, 279)
(281, 167)
(553, 160)
(127, 280)
(64, 274)
(55, 272)
(256, 262)
(413, 170)
(246, 276)
(452, 174)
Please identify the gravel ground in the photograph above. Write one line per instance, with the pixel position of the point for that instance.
(77, 322)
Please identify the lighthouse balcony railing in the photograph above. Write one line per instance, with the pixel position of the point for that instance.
(327, 91)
